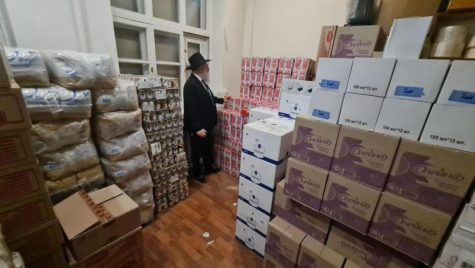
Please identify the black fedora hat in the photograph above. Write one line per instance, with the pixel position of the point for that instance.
(196, 60)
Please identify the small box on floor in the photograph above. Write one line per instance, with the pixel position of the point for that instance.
(283, 242)
(262, 172)
(458, 86)
(295, 96)
(314, 141)
(250, 238)
(424, 86)
(370, 76)
(402, 118)
(13, 113)
(431, 175)
(333, 74)
(260, 113)
(450, 126)
(326, 106)
(357, 41)
(349, 202)
(314, 254)
(255, 195)
(412, 229)
(360, 111)
(257, 220)
(364, 156)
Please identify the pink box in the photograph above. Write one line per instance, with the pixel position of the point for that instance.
(228, 105)
(258, 81)
(257, 93)
(244, 104)
(297, 64)
(265, 79)
(276, 95)
(243, 77)
(237, 104)
(247, 91)
(274, 65)
(252, 80)
(285, 65)
(304, 67)
(295, 75)
(267, 64)
(254, 64)
(272, 79)
(227, 160)
(248, 64)
(243, 63)
(260, 64)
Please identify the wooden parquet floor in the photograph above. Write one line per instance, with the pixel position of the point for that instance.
(175, 238)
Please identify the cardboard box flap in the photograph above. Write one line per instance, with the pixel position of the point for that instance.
(102, 195)
(120, 205)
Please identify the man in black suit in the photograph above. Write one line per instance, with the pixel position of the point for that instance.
(200, 116)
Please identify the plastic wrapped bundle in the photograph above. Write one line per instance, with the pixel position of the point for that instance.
(68, 160)
(28, 67)
(146, 203)
(115, 124)
(124, 147)
(51, 136)
(61, 184)
(124, 170)
(57, 102)
(122, 98)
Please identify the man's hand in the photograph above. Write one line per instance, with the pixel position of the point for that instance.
(227, 98)
(202, 133)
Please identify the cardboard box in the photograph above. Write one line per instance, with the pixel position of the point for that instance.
(360, 111)
(306, 219)
(364, 156)
(91, 221)
(314, 254)
(255, 219)
(463, 234)
(371, 76)
(6, 75)
(333, 74)
(364, 251)
(314, 142)
(350, 264)
(255, 195)
(15, 149)
(268, 139)
(20, 183)
(461, 5)
(13, 113)
(458, 86)
(261, 172)
(412, 229)
(326, 105)
(327, 37)
(457, 257)
(269, 262)
(349, 202)
(56, 258)
(260, 113)
(357, 41)
(283, 242)
(250, 238)
(431, 175)
(295, 96)
(424, 86)
(402, 118)
(305, 183)
(450, 126)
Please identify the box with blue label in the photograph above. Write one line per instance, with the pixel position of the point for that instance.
(261, 172)
(333, 74)
(295, 96)
(418, 80)
(458, 88)
(269, 139)
(256, 196)
(370, 76)
(326, 105)
(360, 111)
(250, 238)
(255, 219)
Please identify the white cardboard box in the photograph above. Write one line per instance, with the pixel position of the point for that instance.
(360, 111)
(457, 257)
(459, 86)
(371, 76)
(262, 172)
(295, 97)
(402, 118)
(260, 113)
(326, 106)
(255, 195)
(451, 126)
(465, 228)
(418, 80)
(257, 220)
(269, 139)
(250, 238)
(333, 74)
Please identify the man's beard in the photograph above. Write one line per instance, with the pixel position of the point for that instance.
(205, 77)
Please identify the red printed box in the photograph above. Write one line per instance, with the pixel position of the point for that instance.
(247, 78)
(248, 64)
(243, 64)
(260, 64)
(258, 80)
(276, 95)
(254, 64)
(243, 77)
(265, 79)
(274, 65)
(267, 64)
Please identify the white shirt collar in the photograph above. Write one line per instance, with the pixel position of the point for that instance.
(199, 77)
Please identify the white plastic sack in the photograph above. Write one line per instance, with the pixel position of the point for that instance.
(124, 170)
(73, 69)
(124, 147)
(146, 204)
(28, 67)
(50, 136)
(122, 98)
(115, 124)
(78, 180)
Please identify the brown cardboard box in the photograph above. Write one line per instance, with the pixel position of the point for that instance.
(357, 41)
(24, 215)
(315, 254)
(5, 71)
(269, 262)
(13, 113)
(365, 251)
(364, 156)
(461, 5)
(91, 221)
(349, 202)
(15, 149)
(38, 242)
(314, 141)
(56, 258)
(283, 242)
(413, 229)
(306, 219)
(305, 183)
(434, 176)
(327, 38)
(20, 183)
(351, 264)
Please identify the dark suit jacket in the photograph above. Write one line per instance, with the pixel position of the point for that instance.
(200, 112)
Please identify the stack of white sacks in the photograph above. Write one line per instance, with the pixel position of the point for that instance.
(122, 143)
